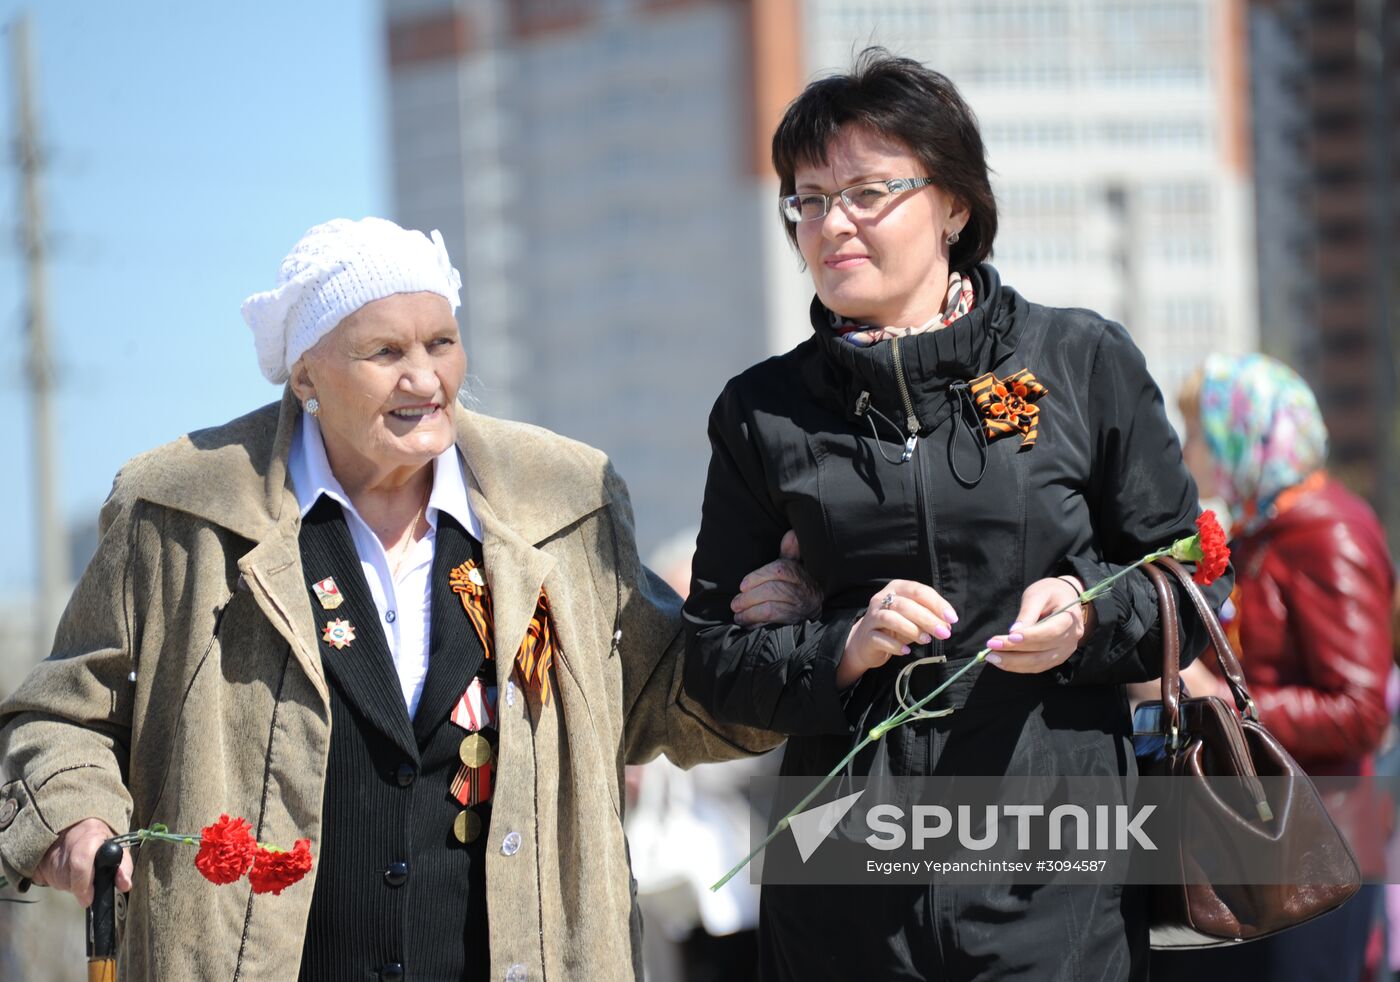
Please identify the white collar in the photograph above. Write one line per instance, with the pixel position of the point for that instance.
(311, 475)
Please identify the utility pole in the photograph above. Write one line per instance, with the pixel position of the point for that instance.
(52, 544)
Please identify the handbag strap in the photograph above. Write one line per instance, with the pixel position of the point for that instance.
(1238, 753)
(1171, 647)
(1229, 663)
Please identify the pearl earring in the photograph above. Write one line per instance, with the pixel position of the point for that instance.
(313, 406)
(952, 238)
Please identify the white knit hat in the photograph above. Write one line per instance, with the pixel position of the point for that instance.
(333, 271)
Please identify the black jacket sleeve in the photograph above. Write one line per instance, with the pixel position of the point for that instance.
(1141, 498)
(779, 678)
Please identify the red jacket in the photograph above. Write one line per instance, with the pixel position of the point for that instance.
(1315, 587)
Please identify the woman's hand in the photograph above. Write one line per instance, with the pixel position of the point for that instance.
(68, 863)
(1033, 645)
(902, 614)
(779, 593)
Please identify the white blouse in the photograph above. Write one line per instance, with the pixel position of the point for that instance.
(405, 603)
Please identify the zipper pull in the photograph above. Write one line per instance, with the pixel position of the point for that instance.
(862, 404)
(910, 442)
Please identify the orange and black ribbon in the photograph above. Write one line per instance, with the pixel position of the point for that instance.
(1007, 405)
(468, 582)
(536, 654)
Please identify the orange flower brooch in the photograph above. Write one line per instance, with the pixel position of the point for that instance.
(1008, 405)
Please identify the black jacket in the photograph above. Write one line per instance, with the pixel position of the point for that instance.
(811, 440)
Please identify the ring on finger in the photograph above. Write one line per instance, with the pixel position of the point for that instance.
(887, 601)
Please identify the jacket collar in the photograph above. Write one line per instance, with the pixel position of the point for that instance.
(241, 470)
(524, 484)
(533, 482)
(976, 343)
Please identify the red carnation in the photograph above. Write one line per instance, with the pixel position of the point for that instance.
(225, 850)
(1215, 552)
(274, 870)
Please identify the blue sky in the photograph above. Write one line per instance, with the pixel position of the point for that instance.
(190, 145)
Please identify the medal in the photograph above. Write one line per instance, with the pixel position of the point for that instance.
(466, 826)
(328, 593)
(475, 750)
(338, 633)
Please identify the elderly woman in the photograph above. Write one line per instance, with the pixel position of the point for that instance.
(954, 459)
(1313, 596)
(416, 635)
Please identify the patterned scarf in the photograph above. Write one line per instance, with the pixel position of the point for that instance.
(1264, 432)
(959, 301)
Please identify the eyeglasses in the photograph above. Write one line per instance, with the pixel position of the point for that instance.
(862, 200)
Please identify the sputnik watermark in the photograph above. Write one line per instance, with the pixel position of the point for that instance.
(933, 822)
(892, 827)
(1124, 829)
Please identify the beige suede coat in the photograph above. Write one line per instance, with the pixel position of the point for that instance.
(185, 682)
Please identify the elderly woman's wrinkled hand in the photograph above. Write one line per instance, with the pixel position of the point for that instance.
(780, 593)
(1033, 645)
(68, 863)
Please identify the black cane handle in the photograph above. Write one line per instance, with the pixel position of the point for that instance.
(102, 912)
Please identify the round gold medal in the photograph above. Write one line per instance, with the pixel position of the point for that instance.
(466, 826)
(475, 750)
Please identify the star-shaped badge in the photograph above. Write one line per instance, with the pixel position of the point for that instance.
(338, 633)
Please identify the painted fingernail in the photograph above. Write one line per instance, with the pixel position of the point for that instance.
(994, 659)
(925, 638)
(904, 650)
(943, 632)
(1014, 627)
(996, 644)
(950, 615)
(1015, 637)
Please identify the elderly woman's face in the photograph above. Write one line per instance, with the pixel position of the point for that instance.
(890, 269)
(387, 380)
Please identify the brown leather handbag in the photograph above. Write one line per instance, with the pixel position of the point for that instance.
(1210, 744)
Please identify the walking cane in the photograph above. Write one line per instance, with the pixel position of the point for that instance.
(102, 914)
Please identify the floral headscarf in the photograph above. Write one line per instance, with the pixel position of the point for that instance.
(1263, 429)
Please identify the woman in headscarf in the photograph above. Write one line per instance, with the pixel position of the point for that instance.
(1312, 598)
(958, 463)
(417, 636)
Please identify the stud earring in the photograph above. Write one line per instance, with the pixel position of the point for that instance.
(952, 238)
(313, 406)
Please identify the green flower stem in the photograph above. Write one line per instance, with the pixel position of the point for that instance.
(783, 822)
(158, 834)
(904, 715)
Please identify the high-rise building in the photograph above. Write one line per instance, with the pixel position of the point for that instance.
(1327, 81)
(600, 170)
